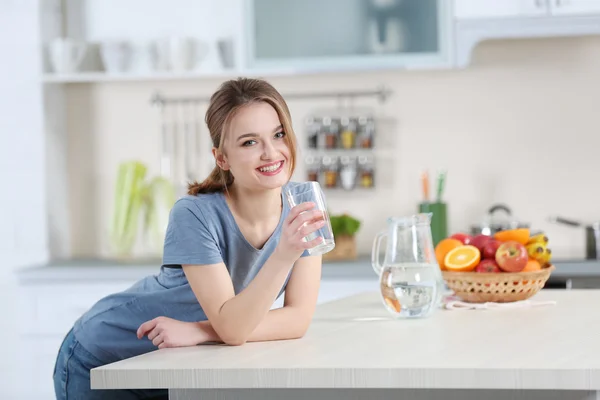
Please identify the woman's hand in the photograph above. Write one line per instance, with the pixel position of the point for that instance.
(300, 223)
(168, 332)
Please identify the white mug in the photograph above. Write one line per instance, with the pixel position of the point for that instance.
(66, 54)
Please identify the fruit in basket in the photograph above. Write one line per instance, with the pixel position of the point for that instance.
(532, 265)
(462, 259)
(540, 238)
(536, 250)
(488, 266)
(463, 237)
(490, 248)
(520, 235)
(512, 256)
(479, 241)
(443, 247)
(546, 257)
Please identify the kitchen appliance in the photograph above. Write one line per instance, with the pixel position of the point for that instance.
(592, 235)
(494, 222)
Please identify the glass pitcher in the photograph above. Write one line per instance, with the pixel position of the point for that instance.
(411, 282)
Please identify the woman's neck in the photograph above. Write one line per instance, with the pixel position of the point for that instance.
(254, 206)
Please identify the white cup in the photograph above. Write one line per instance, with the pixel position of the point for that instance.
(66, 54)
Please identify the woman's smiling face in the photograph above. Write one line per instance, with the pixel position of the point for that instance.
(255, 148)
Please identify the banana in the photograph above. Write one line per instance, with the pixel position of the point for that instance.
(539, 238)
(536, 250)
(546, 257)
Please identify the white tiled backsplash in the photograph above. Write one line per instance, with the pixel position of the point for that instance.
(520, 126)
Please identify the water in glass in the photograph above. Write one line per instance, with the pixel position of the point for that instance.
(411, 289)
(411, 282)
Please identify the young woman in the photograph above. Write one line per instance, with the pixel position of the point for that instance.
(231, 248)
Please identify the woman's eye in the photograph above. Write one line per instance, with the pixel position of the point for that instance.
(280, 134)
(248, 142)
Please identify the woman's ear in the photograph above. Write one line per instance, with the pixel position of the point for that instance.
(220, 159)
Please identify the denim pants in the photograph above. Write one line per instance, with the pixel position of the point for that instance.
(72, 377)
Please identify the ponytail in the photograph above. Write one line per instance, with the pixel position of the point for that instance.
(218, 181)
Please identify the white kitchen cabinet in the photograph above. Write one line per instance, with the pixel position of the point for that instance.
(468, 9)
(315, 35)
(481, 20)
(574, 7)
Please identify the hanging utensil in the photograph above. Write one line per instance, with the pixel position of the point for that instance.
(166, 151)
(592, 235)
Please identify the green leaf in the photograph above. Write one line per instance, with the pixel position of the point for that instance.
(344, 225)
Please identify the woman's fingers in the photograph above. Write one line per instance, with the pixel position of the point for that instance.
(313, 243)
(154, 333)
(310, 228)
(306, 218)
(157, 340)
(300, 208)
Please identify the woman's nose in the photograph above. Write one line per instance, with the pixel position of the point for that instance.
(269, 151)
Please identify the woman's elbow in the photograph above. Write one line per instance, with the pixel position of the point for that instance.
(234, 341)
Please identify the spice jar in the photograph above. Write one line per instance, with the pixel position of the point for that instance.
(330, 132)
(348, 133)
(330, 171)
(312, 168)
(348, 172)
(366, 171)
(313, 127)
(366, 128)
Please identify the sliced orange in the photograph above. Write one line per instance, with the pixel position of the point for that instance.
(520, 235)
(462, 259)
(443, 247)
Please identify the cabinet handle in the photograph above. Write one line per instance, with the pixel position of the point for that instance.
(559, 3)
(540, 3)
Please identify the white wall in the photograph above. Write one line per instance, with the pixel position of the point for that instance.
(23, 194)
(520, 126)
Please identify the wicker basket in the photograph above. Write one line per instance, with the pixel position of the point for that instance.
(475, 287)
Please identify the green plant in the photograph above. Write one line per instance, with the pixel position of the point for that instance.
(344, 225)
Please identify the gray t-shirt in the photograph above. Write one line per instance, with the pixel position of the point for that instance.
(201, 230)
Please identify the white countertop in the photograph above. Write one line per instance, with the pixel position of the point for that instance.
(354, 343)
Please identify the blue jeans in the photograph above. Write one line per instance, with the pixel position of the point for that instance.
(72, 377)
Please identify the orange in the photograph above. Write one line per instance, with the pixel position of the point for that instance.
(532, 265)
(520, 235)
(462, 259)
(443, 247)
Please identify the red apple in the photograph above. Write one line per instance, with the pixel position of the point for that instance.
(490, 248)
(479, 241)
(512, 256)
(488, 266)
(463, 237)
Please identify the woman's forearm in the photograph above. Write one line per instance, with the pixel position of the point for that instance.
(242, 314)
(279, 324)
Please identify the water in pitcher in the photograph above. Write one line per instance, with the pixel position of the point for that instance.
(411, 290)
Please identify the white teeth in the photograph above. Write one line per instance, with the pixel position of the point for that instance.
(271, 168)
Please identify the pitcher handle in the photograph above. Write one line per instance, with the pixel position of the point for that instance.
(377, 267)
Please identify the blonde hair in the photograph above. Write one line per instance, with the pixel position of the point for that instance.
(231, 96)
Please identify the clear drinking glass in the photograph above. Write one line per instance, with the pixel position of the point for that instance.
(311, 191)
(411, 283)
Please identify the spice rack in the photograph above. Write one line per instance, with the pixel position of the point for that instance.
(340, 150)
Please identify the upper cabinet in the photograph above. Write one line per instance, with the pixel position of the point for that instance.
(473, 9)
(479, 20)
(574, 7)
(316, 35)
(465, 9)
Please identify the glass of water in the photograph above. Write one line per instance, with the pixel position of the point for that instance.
(312, 192)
